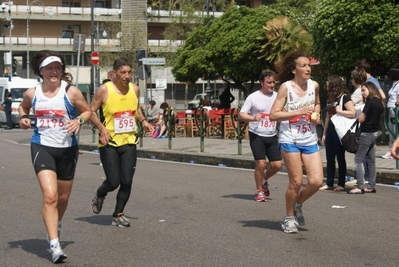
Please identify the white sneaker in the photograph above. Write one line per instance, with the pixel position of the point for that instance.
(387, 155)
(57, 255)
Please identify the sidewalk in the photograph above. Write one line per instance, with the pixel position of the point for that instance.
(224, 152)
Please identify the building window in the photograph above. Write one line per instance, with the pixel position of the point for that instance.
(69, 30)
(71, 3)
(103, 3)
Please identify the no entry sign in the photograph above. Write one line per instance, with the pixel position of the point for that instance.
(95, 58)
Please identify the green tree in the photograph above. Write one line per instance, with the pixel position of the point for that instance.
(347, 30)
(224, 48)
(282, 35)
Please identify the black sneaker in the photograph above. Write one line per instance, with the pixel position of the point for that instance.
(97, 204)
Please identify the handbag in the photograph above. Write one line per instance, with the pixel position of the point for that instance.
(342, 123)
(350, 141)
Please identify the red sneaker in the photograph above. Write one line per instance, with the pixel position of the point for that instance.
(265, 187)
(260, 196)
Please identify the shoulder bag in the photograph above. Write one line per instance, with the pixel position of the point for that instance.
(350, 141)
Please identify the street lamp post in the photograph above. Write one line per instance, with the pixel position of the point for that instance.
(28, 12)
(10, 26)
(208, 89)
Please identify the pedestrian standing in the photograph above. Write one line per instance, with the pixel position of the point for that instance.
(54, 146)
(369, 132)
(118, 102)
(297, 107)
(262, 133)
(7, 110)
(338, 102)
(226, 98)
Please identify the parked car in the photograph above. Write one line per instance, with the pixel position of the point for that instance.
(195, 103)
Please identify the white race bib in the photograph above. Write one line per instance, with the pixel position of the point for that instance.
(301, 127)
(50, 119)
(124, 121)
(265, 125)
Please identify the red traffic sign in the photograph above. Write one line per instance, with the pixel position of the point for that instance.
(95, 58)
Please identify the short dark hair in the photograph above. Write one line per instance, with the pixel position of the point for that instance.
(152, 102)
(120, 62)
(266, 73)
(394, 74)
(363, 64)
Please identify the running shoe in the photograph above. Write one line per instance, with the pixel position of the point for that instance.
(387, 155)
(120, 220)
(265, 187)
(260, 196)
(289, 225)
(299, 215)
(57, 255)
(97, 204)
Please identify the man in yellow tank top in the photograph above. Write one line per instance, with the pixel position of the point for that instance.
(118, 102)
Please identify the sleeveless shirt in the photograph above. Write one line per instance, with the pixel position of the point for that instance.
(51, 115)
(299, 130)
(119, 116)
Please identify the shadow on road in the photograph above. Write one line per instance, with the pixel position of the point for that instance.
(36, 246)
(264, 224)
(99, 219)
(241, 196)
(96, 219)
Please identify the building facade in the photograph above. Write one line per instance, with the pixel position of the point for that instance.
(79, 27)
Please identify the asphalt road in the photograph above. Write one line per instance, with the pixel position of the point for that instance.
(190, 215)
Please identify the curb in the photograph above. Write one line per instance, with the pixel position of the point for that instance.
(384, 176)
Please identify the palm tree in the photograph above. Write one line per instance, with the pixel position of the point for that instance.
(283, 35)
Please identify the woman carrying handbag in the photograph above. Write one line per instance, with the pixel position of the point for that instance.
(338, 102)
(370, 127)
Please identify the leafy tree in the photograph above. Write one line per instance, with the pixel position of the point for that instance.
(224, 48)
(301, 11)
(281, 36)
(347, 30)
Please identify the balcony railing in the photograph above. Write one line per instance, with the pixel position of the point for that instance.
(66, 44)
(62, 44)
(177, 13)
(69, 11)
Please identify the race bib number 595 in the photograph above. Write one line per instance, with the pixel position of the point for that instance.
(124, 121)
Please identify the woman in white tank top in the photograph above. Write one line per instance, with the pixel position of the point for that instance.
(297, 106)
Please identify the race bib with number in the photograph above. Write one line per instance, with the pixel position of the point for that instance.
(266, 126)
(301, 127)
(124, 121)
(50, 119)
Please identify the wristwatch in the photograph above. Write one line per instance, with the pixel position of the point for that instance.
(80, 119)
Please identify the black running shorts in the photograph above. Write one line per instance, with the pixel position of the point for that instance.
(60, 160)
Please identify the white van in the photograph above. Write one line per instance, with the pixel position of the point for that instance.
(16, 86)
(195, 103)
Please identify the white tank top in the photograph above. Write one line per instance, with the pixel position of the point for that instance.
(298, 130)
(51, 115)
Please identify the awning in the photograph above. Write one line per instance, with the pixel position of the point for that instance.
(314, 61)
